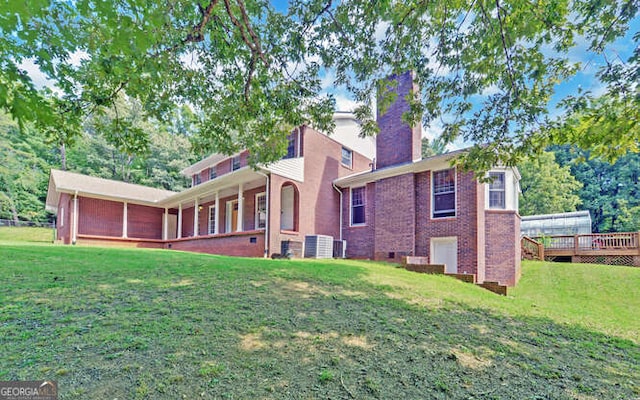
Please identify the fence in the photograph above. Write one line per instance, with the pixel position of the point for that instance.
(10, 222)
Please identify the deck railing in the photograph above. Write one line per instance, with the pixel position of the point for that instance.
(592, 242)
(532, 249)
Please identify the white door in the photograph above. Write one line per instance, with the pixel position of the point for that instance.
(445, 251)
(286, 202)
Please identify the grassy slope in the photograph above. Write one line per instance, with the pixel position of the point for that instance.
(20, 234)
(157, 324)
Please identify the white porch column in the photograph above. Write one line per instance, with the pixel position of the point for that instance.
(215, 228)
(239, 227)
(74, 228)
(195, 217)
(124, 220)
(179, 233)
(165, 224)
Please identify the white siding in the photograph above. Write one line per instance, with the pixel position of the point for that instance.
(292, 168)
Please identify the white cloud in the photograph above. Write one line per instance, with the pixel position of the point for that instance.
(39, 79)
(344, 103)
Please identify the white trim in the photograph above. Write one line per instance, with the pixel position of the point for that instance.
(215, 220)
(455, 193)
(179, 233)
(256, 214)
(351, 206)
(61, 217)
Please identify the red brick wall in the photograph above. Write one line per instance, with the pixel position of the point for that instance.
(397, 142)
(236, 244)
(187, 222)
(502, 247)
(99, 217)
(360, 239)
(144, 222)
(463, 225)
(395, 217)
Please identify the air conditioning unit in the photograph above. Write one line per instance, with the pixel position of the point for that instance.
(339, 249)
(318, 246)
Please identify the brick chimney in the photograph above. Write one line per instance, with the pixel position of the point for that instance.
(397, 142)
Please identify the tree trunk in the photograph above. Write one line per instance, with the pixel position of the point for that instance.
(63, 156)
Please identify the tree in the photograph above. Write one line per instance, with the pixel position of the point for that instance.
(23, 173)
(547, 188)
(611, 192)
(432, 147)
(487, 69)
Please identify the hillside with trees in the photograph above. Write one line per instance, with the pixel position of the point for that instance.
(27, 156)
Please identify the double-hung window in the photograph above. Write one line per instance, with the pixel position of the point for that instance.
(358, 202)
(261, 211)
(196, 179)
(496, 190)
(444, 193)
(212, 173)
(347, 157)
(212, 220)
(235, 163)
(291, 147)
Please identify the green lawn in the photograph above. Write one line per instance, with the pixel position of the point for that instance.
(20, 234)
(147, 324)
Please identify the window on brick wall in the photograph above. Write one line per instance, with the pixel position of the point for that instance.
(212, 220)
(444, 193)
(358, 203)
(261, 210)
(497, 190)
(196, 180)
(235, 163)
(212, 173)
(347, 157)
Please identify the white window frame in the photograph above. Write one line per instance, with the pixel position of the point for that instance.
(503, 206)
(196, 179)
(455, 195)
(211, 229)
(257, 211)
(363, 205)
(213, 173)
(342, 157)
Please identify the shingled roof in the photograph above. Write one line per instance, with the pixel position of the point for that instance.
(70, 182)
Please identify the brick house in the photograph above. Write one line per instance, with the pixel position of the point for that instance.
(377, 194)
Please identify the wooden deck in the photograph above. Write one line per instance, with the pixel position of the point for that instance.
(621, 248)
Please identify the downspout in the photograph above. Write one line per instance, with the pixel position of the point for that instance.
(298, 141)
(339, 192)
(266, 225)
